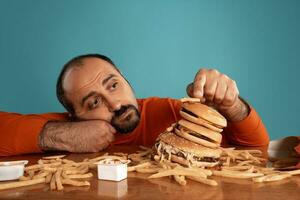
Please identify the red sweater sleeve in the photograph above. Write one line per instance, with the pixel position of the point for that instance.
(249, 132)
(19, 133)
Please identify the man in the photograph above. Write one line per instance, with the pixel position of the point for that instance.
(103, 110)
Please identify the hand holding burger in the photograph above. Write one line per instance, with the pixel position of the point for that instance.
(218, 90)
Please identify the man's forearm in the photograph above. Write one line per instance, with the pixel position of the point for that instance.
(84, 136)
(53, 136)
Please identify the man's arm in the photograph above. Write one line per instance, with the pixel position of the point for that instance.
(250, 131)
(21, 134)
(85, 136)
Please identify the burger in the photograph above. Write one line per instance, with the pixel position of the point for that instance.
(180, 150)
(195, 139)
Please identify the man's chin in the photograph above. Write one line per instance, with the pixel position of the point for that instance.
(126, 124)
(126, 128)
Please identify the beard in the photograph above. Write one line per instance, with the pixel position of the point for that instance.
(126, 119)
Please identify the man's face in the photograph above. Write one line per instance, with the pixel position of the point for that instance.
(98, 91)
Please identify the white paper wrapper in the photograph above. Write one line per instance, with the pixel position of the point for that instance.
(287, 150)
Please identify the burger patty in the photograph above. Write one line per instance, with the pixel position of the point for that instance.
(202, 159)
(189, 112)
(193, 133)
(201, 136)
(182, 155)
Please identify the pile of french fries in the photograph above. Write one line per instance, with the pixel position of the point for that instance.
(240, 164)
(58, 172)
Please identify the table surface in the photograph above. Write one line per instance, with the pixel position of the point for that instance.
(137, 186)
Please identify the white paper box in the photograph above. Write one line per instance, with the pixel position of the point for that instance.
(112, 171)
(12, 170)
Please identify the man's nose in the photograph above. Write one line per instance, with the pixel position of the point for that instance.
(113, 104)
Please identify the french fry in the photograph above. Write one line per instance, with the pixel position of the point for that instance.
(41, 175)
(58, 179)
(83, 169)
(180, 179)
(293, 172)
(31, 173)
(184, 172)
(188, 99)
(246, 162)
(50, 169)
(156, 158)
(250, 170)
(48, 178)
(79, 176)
(39, 166)
(40, 162)
(67, 161)
(201, 170)
(53, 157)
(16, 184)
(24, 178)
(52, 183)
(142, 165)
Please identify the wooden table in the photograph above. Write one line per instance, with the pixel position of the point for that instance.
(137, 186)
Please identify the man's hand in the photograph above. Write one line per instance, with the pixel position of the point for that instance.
(85, 136)
(216, 89)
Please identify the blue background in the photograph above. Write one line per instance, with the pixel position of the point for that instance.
(159, 45)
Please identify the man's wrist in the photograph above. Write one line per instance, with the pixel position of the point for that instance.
(237, 112)
(48, 135)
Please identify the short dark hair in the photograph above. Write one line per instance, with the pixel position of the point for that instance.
(76, 61)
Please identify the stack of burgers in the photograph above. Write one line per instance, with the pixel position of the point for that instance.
(195, 139)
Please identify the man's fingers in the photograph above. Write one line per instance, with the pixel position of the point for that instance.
(210, 90)
(111, 128)
(220, 92)
(199, 83)
(189, 90)
(110, 137)
(230, 96)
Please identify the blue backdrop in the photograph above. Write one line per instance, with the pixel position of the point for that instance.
(159, 45)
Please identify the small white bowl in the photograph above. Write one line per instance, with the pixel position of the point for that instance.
(12, 170)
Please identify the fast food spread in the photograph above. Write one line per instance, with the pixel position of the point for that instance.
(189, 149)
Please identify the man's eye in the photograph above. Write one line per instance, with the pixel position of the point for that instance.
(95, 103)
(114, 86)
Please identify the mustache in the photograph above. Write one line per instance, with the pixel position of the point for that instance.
(122, 110)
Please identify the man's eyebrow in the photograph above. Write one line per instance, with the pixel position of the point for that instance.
(108, 78)
(92, 93)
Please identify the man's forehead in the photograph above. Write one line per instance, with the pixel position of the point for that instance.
(82, 75)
